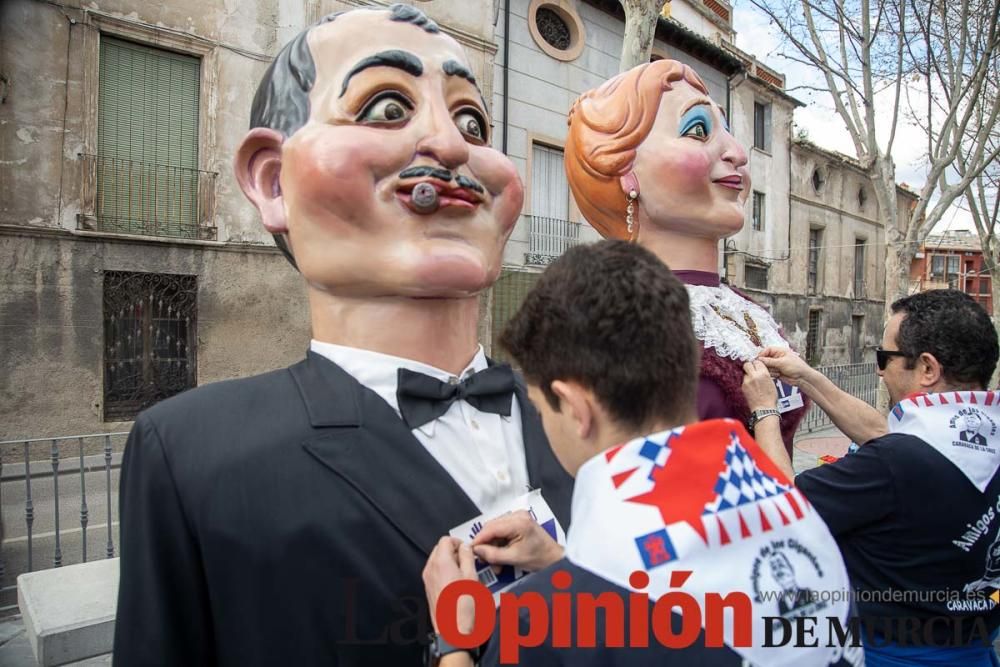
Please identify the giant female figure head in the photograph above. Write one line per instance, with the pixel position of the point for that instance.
(654, 131)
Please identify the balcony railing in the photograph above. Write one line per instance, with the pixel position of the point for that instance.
(858, 380)
(58, 496)
(130, 197)
(550, 237)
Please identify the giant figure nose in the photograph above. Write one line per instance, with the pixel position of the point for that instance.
(442, 139)
(733, 151)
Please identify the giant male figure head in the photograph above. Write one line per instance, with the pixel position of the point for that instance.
(353, 115)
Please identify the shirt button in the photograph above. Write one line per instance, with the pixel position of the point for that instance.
(474, 424)
(452, 380)
(501, 475)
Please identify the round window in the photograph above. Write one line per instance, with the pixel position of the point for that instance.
(556, 28)
(817, 179)
(553, 28)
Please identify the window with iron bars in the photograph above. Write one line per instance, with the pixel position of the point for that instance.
(859, 269)
(755, 276)
(815, 242)
(758, 211)
(146, 168)
(813, 336)
(150, 340)
(762, 126)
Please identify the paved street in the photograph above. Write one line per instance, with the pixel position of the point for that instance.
(15, 650)
(810, 446)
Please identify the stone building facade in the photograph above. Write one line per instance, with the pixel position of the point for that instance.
(133, 266)
(828, 287)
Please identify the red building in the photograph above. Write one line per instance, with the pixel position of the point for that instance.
(955, 260)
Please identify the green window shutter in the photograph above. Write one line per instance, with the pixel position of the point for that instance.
(509, 293)
(147, 140)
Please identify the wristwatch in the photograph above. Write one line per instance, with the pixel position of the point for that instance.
(438, 648)
(758, 415)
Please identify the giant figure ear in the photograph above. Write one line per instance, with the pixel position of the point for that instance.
(258, 167)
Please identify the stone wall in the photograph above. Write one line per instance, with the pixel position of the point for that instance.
(836, 324)
(251, 317)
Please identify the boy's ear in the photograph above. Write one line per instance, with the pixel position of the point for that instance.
(258, 170)
(577, 402)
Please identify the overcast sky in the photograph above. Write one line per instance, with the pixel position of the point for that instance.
(820, 120)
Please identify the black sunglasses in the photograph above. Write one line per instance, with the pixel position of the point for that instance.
(882, 357)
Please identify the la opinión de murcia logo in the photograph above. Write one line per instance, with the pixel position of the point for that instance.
(553, 619)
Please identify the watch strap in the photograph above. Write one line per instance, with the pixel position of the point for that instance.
(438, 648)
(757, 415)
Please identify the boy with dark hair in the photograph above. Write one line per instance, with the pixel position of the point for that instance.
(661, 503)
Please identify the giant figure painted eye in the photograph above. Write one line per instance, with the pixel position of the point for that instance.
(697, 129)
(471, 124)
(696, 123)
(388, 107)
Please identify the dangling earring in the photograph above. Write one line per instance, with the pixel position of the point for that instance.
(629, 210)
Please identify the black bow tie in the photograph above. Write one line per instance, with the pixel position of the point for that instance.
(423, 399)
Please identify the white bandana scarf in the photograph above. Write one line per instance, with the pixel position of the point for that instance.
(960, 425)
(706, 499)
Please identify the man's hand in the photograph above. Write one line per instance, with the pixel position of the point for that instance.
(516, 539)
(450, 561)
(782, 362)
(856, 419)
(762, 394)
(758, 386)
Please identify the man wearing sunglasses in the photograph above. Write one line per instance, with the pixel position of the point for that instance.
(916, 510)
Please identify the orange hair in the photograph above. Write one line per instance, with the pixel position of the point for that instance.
(606, 126)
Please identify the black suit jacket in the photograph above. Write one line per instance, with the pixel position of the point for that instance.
(975, 437)
(285, 519)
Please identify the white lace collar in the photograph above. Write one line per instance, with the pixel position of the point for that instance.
(719, 316)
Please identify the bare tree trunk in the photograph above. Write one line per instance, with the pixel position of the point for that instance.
(897, 276)
(995, 292)
(640, 28)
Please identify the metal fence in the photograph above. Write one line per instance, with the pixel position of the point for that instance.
(59, 503)
(131, 197)
(550, 237)
(858, 380)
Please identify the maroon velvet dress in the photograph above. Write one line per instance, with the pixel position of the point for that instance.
(720, 385)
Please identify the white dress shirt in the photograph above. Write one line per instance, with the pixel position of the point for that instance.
(483, 452)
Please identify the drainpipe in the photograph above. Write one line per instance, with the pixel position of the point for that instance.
(789, 265)
(506, 62)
